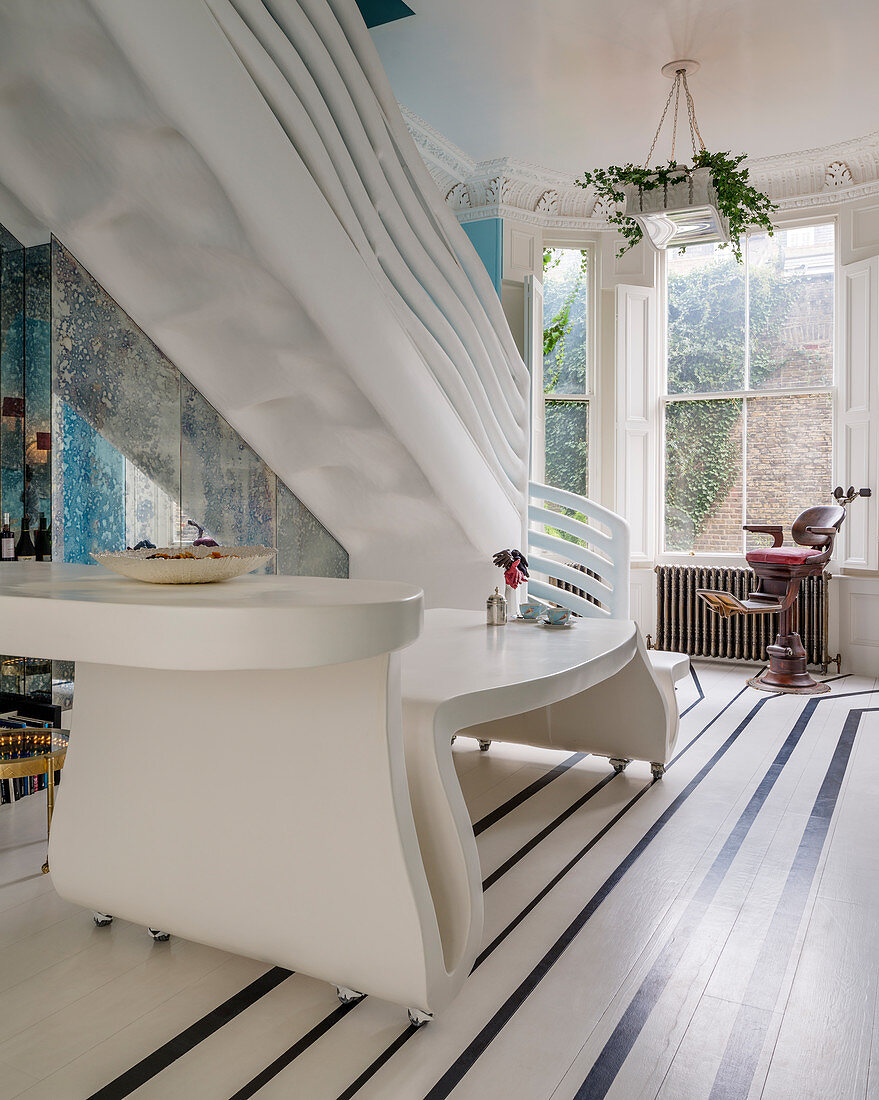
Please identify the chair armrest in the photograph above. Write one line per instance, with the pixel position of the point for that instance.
(831, 531)
(762, 529)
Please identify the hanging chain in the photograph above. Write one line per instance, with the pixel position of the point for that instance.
(680, 80)
(659, 127)
(691, 112)
(674, 128)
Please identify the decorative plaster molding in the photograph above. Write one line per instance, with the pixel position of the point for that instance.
(838, 174)
(507, 188)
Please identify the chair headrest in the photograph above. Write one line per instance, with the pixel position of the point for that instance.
(822, 515)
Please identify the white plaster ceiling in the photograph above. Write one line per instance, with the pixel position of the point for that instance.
(571, 84)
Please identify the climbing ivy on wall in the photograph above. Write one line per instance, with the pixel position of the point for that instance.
(703, 452)
(706, 340)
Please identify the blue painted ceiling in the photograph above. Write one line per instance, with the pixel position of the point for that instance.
(376, 12)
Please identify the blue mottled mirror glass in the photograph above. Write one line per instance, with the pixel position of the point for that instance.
(11, 376)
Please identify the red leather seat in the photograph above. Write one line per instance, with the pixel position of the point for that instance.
(783, 555)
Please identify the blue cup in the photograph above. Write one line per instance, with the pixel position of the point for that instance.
(558, 616)
(531, 610)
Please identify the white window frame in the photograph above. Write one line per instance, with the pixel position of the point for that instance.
(592, 395)
(731, 559)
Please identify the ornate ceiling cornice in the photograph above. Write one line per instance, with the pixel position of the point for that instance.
(507, 188)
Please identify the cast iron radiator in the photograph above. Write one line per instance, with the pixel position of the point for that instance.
(685, 624)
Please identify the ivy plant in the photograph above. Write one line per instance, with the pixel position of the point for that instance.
(741, 203)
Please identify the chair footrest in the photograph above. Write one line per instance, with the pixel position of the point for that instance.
(726, 604)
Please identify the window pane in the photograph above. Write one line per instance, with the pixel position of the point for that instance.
(703, 476)
(567, 446)
(789, 458)
(791, 307)
(565, 321)
(706, 320)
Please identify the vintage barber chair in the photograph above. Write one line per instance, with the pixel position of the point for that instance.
(779, 570)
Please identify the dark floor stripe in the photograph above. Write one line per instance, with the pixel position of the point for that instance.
(373, 1068)
(706, 728)
(175, 1048)
(453, 1076)
(615, 1051)
(699, 690)
(526, 793)
(253, 1086)
(557, 878)
(510, 863)
(742, 1053)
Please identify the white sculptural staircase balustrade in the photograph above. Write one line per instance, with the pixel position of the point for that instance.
(238, 176)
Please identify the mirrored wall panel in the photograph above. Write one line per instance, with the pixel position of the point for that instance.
(225, 487)
(139, 454)
(305, 546)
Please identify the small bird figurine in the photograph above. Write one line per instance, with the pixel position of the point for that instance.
(514, 565)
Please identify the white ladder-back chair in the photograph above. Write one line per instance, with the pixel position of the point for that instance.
(602, 547)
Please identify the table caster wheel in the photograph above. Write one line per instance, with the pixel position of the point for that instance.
(348, 996)
(619, 764)
(484, 746)
(45, 868)
(417, 1018)
(658, 770)
(101, 919)
(159, 937)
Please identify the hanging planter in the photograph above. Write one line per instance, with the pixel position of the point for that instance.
(674, 204)
(683, 210)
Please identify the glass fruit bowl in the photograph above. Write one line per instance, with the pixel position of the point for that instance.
(186, 564)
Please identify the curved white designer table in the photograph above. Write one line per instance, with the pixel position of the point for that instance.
(262, 765)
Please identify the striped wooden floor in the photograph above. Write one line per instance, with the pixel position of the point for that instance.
(714, 934)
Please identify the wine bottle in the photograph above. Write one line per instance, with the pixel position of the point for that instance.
(24, 548)
(7, 541)
(43, 540)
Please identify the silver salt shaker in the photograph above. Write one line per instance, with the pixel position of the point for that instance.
(496, 609)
